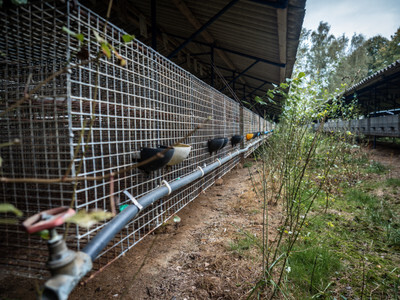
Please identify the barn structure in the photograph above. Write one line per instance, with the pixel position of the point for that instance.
(378, 99)
(80, 99)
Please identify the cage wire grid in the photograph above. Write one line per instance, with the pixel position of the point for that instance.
(149, 102)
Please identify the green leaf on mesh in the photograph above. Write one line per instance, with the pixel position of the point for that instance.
(106, 50)
(128, 38)
(9, 208)
(88, 219)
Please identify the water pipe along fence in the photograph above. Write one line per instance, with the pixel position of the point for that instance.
(95, 119)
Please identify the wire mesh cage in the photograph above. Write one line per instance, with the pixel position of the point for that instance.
(86, 117)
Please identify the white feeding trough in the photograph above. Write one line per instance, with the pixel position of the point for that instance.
(180, 154)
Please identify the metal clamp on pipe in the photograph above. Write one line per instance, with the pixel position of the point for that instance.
(219, 161)
(134, 201)
(168, 186)
(202, 171)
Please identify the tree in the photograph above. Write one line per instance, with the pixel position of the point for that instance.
(374, 47)
(321, 51)
(333, 61)
(391, 52)
(352, 67)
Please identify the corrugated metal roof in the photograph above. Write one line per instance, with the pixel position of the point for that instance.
(378, 92)
(250, 27)
(379, 75)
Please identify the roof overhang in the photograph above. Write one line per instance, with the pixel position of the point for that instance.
(252, 44)
(378, 92)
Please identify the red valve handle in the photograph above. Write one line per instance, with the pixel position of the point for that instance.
(48, 219)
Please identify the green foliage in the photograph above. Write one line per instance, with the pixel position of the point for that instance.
(128, 38)
(44, 234)
(247, 164)
(393, 182)
(394, 236)
(311, 268)
(88, 219)
(259, 100)
(9, 208)
(78, 36)
(298, 164)
(243, 244)
(106, 50)
(336, 61)
(376, 167)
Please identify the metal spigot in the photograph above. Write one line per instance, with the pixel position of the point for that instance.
(67, 267)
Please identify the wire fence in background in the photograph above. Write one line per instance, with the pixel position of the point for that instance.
(149, 102)
(382, 126)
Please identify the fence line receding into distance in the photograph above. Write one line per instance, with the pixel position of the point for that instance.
(150, 101)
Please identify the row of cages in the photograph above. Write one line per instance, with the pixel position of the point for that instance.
(92, 119)
(385, 126)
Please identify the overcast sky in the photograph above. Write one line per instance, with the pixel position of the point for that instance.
(369, 17)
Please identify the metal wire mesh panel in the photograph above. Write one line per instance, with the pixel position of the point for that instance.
(93, 119)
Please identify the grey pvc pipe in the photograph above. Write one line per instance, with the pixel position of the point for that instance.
(100, 241)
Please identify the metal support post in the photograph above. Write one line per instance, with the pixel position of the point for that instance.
(212, 66)
(154, 24)
(241, 128)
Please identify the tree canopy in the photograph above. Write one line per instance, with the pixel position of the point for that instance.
(336, 61)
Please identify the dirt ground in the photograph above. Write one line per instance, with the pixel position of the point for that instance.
(192, 260)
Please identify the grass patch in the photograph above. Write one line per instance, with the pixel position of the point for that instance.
(247, 164)
(311, 269)
(243, 244)
(376, 168)
(362, 230)
(393, 182)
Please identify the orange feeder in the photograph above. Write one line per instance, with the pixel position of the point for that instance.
(249, 136)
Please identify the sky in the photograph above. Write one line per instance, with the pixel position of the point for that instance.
(369, 17)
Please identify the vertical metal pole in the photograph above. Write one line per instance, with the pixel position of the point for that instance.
(244, 92)
(153, 24)
(212, 65)
(233, 83)
(241, 128)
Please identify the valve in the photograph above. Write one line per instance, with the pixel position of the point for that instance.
(67, 267)
(48, 219)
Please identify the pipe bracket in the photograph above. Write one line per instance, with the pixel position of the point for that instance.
(219, 161)
(202, 171)
(133, 199)
(168, 186)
